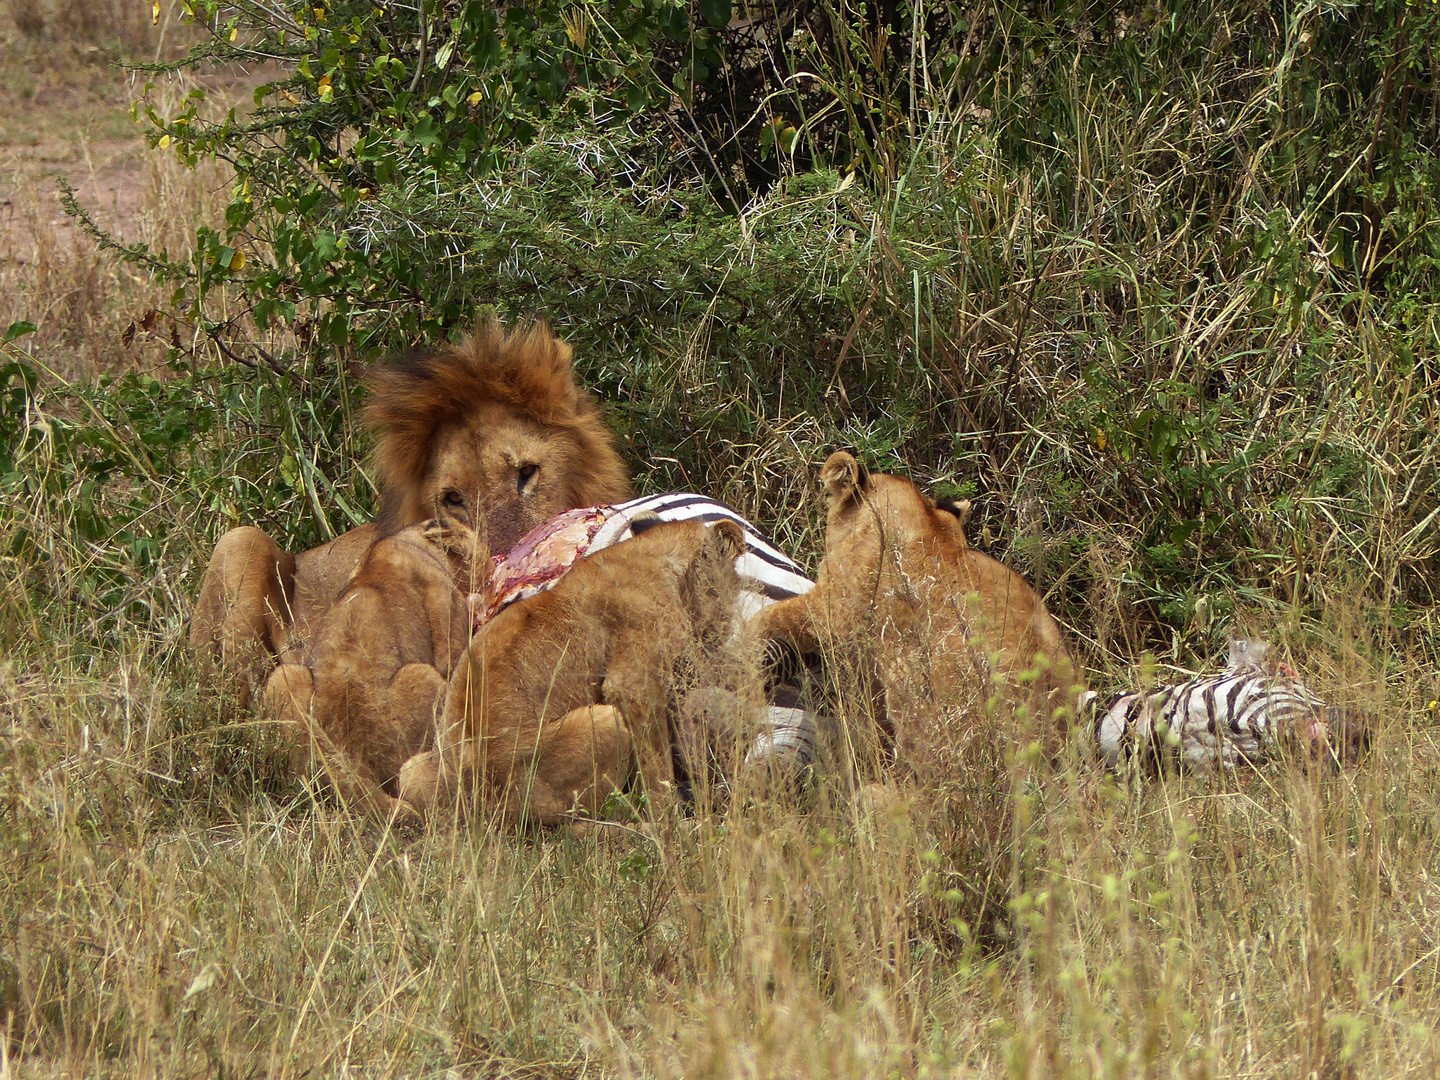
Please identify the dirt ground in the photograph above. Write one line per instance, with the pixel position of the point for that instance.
(65, 110)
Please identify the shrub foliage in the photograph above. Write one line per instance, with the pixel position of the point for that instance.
(1156, 290)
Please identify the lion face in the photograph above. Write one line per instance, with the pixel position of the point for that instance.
(501, 474)
(491, 435)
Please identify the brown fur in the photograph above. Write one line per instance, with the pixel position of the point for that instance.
(559, 691)
(492, 435)
(460, 426)
(368, 697)
(901, 591)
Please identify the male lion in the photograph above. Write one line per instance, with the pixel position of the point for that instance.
(559, 690)
(367, 697)
(901, 592)
(492, 435)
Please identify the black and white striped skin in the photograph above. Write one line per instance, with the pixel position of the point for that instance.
(1242, 714)
(1220, 720)
(770, 574)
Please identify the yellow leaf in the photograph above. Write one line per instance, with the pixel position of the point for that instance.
(164, 142)
(237, 261)
(234, 33)
(475, 98)
(1100, 440)
(155, 13)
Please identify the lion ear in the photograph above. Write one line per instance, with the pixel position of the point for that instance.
(960, 510)
(644, 521)
(731, 537)
(841, 474)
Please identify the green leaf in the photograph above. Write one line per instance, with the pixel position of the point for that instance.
(18, 329)
(715, 12)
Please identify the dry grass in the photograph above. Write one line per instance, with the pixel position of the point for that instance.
(68, 114)
(90, 25)
(175, 906)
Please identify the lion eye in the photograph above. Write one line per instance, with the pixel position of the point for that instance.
(524, 475)
(453, 498)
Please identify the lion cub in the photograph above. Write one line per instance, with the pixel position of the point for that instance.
(367, 696)
(562, 695)
(901, 592)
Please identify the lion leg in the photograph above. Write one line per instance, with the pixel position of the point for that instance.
(579, 760)
(572, 763)
(432, 779)
(415, 697)
(637, 689)
(416, 694)
(289, 695)
(242, 617)
(289, 692)
(289, 698)
(422, 780)
(791, 620)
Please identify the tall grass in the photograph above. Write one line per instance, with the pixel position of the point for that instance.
(178, 906)
(1136, 347)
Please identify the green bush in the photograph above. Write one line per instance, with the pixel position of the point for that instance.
(1154, 289)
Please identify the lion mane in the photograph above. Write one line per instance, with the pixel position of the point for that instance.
(529, 371)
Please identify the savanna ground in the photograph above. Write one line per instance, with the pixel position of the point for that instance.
(173, 903)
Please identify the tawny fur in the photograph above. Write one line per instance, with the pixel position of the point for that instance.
(436, 413)
(492, 435)
(368, 697)
(561, 693)
(901, 593)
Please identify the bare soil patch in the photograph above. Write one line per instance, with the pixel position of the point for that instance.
(65, 111)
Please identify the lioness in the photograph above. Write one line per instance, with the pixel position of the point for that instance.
(492, 435)
(902, 592)
(367, 697)
(560, 691)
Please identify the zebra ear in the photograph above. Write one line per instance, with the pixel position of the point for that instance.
(1247, 654)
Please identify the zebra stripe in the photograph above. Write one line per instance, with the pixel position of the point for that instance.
(1219, 720)
(768, 572)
